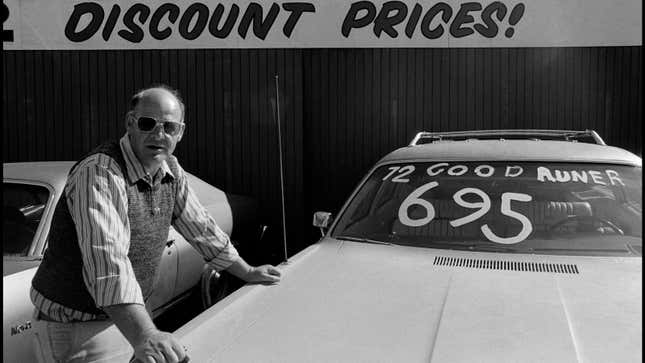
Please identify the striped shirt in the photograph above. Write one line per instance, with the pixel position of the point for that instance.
(98, 203)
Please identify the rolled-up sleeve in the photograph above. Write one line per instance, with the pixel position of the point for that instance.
(199, 228)
(97, 202)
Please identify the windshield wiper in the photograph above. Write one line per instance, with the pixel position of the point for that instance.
(360, 239)
(485, 247)
(478, 247)
(474, 247)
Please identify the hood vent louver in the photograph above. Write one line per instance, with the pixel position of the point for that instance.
(506, 265)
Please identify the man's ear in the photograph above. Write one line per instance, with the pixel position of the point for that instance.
(127, 120)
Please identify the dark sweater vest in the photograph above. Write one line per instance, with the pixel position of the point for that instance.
(59, 277)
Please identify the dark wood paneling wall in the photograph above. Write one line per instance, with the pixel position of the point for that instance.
(341, 109)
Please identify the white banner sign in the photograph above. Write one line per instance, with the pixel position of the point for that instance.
(150, 24)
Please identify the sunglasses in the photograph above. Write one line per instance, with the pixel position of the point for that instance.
(147, 124)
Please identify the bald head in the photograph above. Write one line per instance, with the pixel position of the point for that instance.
(159, 97)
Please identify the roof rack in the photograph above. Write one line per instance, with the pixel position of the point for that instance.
(566, 135)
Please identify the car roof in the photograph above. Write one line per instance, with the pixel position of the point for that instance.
(513, 150)
(53, 173)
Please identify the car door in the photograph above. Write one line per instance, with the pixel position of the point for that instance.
(164, 285)
(190, 267)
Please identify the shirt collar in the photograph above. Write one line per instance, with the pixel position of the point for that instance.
(134, 168)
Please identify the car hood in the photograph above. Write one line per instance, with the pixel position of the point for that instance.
(351, 302)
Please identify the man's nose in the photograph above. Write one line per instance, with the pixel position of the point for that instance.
(158, 129)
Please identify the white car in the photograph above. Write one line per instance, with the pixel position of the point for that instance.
(482, 246)
(30, 193)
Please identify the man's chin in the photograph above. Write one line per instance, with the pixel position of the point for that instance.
(156, 157)
(160, 157)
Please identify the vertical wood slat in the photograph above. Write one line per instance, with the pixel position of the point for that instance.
(10, 100)
(342, 108)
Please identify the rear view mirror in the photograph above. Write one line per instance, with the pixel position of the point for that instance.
(322, 220)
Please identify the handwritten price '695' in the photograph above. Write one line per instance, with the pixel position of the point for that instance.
(482, 206)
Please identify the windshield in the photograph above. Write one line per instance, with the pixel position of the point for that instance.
(24, 205)
(519, 207)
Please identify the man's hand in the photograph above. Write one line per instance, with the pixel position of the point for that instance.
(264, 273)
(150, 344)
(261, 274)
(159, 347)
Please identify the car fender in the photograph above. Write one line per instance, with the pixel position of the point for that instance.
(17, 318)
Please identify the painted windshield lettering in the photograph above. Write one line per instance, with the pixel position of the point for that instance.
(483, 206)
(403, 171)
(482, 171)
(604, 177)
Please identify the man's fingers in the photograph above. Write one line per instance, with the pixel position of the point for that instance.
(173, 355)
(170, 356)
(181, 352)
(155, 357)
(145, 359)
(270, 270)
(272, 278)
(274, 271)
(160, 347)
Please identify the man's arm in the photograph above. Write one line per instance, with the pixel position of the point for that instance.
(199, 228)
(97, 202)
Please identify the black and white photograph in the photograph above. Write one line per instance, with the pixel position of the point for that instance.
(318, 181)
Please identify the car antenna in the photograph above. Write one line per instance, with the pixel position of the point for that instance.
(284, 222)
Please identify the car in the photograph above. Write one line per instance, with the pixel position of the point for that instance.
(486, 245)
(30, 193)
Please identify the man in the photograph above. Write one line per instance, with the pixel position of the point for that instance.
(108, 233)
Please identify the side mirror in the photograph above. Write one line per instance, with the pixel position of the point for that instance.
(322, 220)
